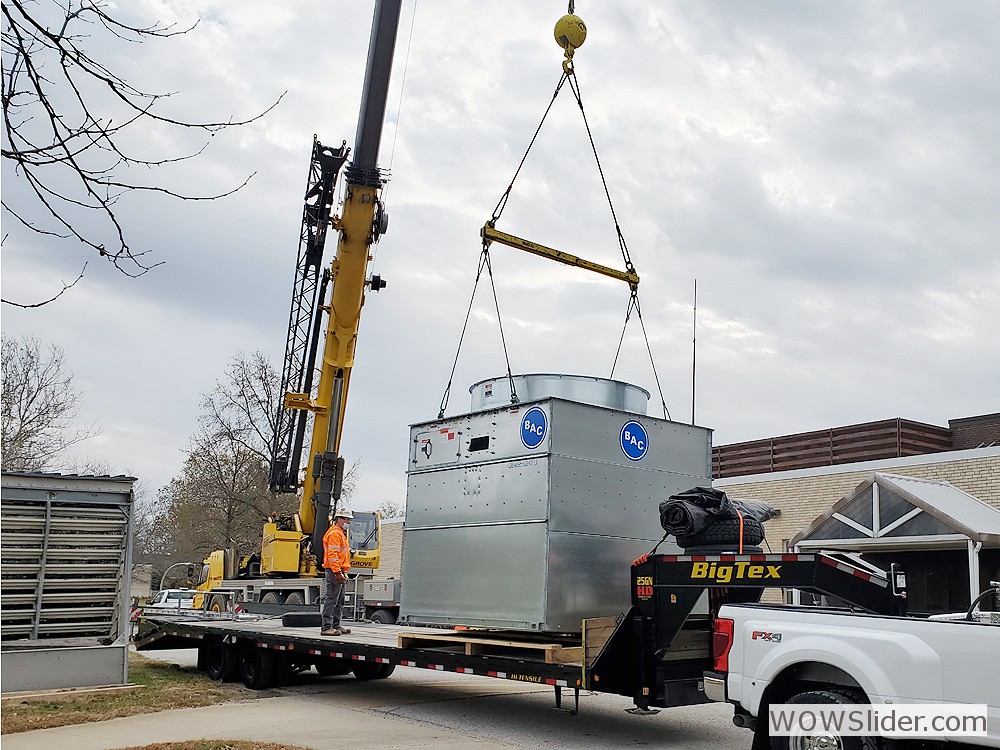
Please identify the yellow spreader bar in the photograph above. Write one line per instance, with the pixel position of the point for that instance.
(494, 235)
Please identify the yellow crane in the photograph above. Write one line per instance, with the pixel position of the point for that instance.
(295, 546)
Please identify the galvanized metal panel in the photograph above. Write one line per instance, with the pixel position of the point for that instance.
(483, 575)
(53, 668)
(584, 389)
(574, 508)
(594, 433)
(64, 588)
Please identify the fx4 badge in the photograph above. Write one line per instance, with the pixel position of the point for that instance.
(760, 635)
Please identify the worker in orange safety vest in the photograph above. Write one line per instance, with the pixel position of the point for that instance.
(337, 561)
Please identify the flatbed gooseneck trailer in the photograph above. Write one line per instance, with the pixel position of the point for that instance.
(656, 653)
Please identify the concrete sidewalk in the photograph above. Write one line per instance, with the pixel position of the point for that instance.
(319, 721)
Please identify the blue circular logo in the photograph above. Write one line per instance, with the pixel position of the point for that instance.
(634, 441)
(533, 427)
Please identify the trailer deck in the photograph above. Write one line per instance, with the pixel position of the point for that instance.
(539, 660)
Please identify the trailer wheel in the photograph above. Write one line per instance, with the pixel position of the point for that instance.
(331, 666)
(370, 670)
(294, 598)
(271, 597)
(383, 616)
(259, 668)
(827, 740)
(220, 660)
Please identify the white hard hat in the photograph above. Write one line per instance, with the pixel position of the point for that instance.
(343, 513)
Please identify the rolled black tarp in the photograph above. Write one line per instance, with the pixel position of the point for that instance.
(693, 510)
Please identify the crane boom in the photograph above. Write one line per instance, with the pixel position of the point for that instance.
(359, 226)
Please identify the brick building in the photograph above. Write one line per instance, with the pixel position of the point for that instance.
(804, 475)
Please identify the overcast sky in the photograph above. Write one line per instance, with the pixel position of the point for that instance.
(828, 172)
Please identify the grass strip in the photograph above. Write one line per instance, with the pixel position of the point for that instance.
(167, 686)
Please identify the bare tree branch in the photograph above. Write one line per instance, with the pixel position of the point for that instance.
(66, 114)
(65, 286)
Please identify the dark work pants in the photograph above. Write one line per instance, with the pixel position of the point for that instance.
(333, 602)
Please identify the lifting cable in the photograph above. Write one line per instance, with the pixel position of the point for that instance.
(484, 262)
(490, 234)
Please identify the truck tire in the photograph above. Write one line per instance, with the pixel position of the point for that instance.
(295, 598)
(301, 620)
(271, 597)
(370, 670)
(216, 604)
(259, 668)
(221, 660)
(383, 617)
(725, 531)
(832, 697)
(331, 666)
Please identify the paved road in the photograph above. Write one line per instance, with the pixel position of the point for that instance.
(413, 709)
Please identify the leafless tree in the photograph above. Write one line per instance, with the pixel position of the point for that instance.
(40, 406)
(68, 118)
(221, 497)
(391, 509)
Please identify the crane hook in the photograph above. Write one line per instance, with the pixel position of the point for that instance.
(570, 33)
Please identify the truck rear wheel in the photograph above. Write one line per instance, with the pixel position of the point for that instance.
(370, 670)
(294, 598)
(383, 616)
(271, 597)
(826, 740)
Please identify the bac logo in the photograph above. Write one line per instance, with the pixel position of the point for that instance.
(533, 427)
(634, 441)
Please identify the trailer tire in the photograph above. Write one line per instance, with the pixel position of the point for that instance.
(259, 668)
(832, 697)
(221, 660)
(370, 670)
(725, 531)
(295, 597)
(301, 620)
(383, 617)
(331, 666)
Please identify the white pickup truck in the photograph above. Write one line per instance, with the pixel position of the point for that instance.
(767, 655)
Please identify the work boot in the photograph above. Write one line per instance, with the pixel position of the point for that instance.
(330, 631)
(344, 631)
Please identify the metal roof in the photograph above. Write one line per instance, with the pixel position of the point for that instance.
(966, 514)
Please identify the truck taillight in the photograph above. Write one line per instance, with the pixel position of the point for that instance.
(722, 641)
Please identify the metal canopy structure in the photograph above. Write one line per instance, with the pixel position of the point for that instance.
(893, 512)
